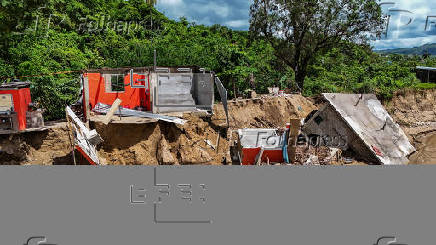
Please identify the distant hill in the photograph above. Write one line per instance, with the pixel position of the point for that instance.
(427, 48)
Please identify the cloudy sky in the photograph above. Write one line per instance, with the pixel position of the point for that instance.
(407, 25)
(231, 13)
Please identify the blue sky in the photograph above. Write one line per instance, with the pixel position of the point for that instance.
(235, 14)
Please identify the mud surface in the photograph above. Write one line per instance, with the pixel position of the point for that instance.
(204, 140)
(426, 150)
(415, 111)
(201, 140)
(50, 147)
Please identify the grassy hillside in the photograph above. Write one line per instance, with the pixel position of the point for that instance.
(424, 49)
(76, 40)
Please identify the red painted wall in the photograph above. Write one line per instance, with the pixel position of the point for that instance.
(22, 99)
(249, 156)
(131, 97)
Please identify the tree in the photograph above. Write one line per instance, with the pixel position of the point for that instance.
(299, 30)
(151, 2)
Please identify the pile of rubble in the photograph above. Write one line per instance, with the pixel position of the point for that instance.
(346, 122)
(289, 129)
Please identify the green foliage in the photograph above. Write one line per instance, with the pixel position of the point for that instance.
(44, 37)
(356, 69)
(425, 85)
(301, 30)
(57, 52)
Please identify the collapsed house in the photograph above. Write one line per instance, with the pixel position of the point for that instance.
(154, 90)
(147, 92)
(360, 123)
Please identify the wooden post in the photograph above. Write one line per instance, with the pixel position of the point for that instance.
(258, 160)
(293, 136)
(70, 130)
(85, 100)
(217, 145)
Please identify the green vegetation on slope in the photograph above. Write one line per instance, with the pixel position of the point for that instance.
(76, 35)
(429, 49)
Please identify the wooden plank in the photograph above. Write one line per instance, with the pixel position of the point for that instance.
(86, 97)
(85, 140)
(123, 120)
(258, 160)
(293, 135)
(115, 106)
(71, 137)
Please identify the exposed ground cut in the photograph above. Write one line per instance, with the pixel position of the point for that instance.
(204, 140)
(201, 140)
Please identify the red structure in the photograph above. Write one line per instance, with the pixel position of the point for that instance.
(16, 96)
(271, 155)
(106, 88)
(157, 90)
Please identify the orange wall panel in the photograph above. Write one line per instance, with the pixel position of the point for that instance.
(131, 97)
(22, 99)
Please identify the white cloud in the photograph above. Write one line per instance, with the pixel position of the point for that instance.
(412, 35)
(172, 8)
(237, 23)
(170, 2)
(403, 43)
(222, 9)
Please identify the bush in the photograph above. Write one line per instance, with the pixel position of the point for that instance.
(425, 85)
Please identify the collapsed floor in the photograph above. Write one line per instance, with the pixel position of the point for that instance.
(206, 140)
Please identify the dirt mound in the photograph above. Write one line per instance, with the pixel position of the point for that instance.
(162, 143)
(264, 112)
(426, 150)
(43, 148)
(414, 110)
(201, 140)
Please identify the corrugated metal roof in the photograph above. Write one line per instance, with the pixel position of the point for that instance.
(367, 117)
(426, 68)
(15, 85)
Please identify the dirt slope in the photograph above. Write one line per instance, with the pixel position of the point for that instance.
(42, 148)
(159, 142)
(265, 112)
(165, 143)
(426, 153)
(415, 111)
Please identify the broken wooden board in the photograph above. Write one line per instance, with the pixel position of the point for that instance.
(85, 140)
(123, 120)
(115, 106)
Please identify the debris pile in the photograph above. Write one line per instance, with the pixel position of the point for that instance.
(360, 123)
(356, 122)
(288, 129)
